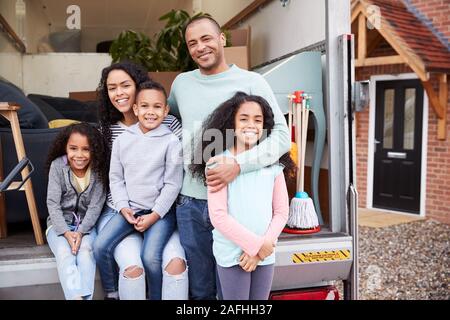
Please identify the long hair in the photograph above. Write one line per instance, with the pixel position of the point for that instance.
(97, 149)
(108, 114)
(223, 120)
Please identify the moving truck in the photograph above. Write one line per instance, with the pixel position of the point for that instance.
(307, 265)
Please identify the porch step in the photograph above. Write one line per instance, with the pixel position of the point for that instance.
(29, 273)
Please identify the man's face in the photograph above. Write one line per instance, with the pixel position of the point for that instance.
(205, 44)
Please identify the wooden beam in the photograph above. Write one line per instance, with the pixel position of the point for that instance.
(434, 99)
(6, 28)
(362, 35)
(443, 98)
(376, 61)
(244, 14)
(413, 62)
(356, 11)
(3, 225)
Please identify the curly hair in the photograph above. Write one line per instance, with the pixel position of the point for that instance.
(97, 148)
(223, 119)
(108, 114)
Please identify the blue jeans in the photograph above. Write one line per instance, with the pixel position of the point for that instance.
(195, 230)
(155, 238)
(76, 272)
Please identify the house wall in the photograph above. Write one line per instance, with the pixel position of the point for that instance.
(437, 199)
(61, 73)
(221, 11)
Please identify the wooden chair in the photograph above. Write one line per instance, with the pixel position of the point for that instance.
(9, 111)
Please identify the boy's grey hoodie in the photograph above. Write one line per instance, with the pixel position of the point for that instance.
(146, 171)
(63, 200)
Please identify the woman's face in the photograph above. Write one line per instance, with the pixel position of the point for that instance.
(248, 124)
(121, 90)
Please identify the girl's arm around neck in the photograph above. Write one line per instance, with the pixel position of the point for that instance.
(249, 242)
(280, 208)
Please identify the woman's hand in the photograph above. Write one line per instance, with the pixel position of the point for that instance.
(220, 176)
(128, 214)
(248, 263)
(146, 221)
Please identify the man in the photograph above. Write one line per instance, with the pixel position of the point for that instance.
(194, 95)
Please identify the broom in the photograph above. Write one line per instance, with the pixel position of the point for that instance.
(291, 126)
(302, 215)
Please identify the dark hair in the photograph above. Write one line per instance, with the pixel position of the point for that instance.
(97, 148)
(204, 16)
(108, 114)
(223, 119)
(151, 85)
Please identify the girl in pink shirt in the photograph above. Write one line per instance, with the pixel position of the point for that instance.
(250, 213)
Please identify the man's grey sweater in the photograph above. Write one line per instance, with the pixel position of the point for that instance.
(146, 170)
(63, 201)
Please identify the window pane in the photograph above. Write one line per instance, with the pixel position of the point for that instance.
(388, 119)
(410, 103)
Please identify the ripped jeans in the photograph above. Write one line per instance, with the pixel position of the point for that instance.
(128, 253)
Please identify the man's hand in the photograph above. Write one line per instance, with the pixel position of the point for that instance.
(74, 240)
(248, 263)
(128, 214)
(146, 221)
(220, 176)
(266, 249)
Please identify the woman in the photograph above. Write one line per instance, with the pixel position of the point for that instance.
(117, 93)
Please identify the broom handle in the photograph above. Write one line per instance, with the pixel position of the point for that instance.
(290, 117)
(305, 138)
(295, 117)
(298, 131)
(302, 152)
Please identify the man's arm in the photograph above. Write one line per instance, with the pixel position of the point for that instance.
(266, 153)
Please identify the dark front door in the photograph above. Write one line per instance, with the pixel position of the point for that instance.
(398, 145)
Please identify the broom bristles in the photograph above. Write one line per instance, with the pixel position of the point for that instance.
(302, 214)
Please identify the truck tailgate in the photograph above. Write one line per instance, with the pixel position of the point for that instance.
(311, 260)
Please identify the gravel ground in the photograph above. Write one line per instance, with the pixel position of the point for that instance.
(404, 262)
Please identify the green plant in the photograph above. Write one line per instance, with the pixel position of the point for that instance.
(138, 47)
(167, 53)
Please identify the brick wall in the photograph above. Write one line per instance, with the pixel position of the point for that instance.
(437, 11)
(438, 162)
